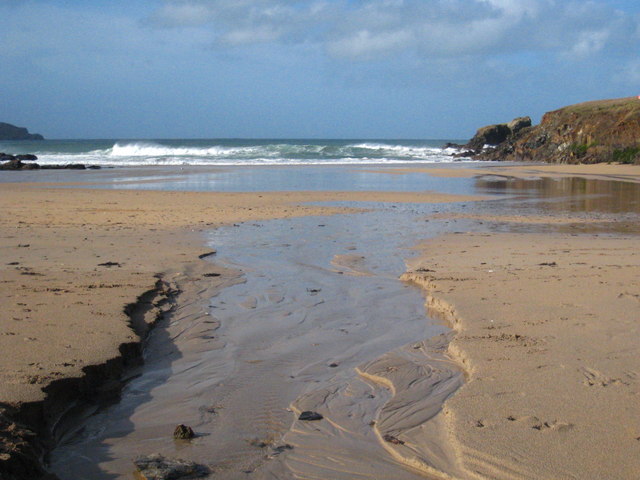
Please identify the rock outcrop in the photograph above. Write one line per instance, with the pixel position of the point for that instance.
(16, 162)
(591, 132)
(493, 135)
(11, 132)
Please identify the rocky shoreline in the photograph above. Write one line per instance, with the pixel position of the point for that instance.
(17, 162)
(585, 133)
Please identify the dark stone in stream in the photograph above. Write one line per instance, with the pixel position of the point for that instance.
(109, 264)
(157, 467)
(310, 416)
(282, 448)
(392, 439)
(183, 432)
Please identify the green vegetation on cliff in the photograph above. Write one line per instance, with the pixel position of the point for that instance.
(590, 132)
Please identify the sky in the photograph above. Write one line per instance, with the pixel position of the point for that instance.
(415, 69)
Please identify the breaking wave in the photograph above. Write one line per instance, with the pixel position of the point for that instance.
(245, 152)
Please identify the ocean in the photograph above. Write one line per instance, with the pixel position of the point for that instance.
(229, 152)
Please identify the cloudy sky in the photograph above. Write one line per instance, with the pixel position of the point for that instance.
(307, 68)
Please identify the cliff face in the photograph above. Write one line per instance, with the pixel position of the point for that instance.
(591, 132)
(11, 132)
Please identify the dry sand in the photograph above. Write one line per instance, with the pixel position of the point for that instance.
(547, 332)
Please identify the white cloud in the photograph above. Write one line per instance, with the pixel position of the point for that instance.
(436, 29)
(183, 14)
(589, 43)
(246, 36)
(364, 43)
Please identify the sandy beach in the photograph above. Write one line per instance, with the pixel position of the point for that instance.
(84, 273)
(544, 325)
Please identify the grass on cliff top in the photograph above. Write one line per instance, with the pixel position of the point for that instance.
(615, 105)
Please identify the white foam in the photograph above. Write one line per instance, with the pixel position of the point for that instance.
(149, 153)
(156, 150)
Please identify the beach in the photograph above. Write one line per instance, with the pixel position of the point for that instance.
(542, 307)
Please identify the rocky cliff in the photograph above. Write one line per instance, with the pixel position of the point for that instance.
(591, 132)
(11, 132)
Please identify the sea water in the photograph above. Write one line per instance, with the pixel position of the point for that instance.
(226, 152)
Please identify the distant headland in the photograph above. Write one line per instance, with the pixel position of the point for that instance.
(11, 132)
(590, 132)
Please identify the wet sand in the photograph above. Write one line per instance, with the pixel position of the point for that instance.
(600, 171)
(566, 377)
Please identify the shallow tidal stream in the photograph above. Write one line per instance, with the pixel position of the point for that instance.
(321, 297)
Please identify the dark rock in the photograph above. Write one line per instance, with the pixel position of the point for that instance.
(309, 416)
(12, 165)
(26, 157)
(157, 467)
(183, 432)
(109, 264)
(500, 136)
(5, 157)
(392, 439)
(69, 166)
(464, 154)
(282, 448)
(489, 135)
(11, 132)
(16, 164)
(518, 124)
(205, 255)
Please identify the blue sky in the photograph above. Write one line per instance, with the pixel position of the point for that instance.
(307, 68)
